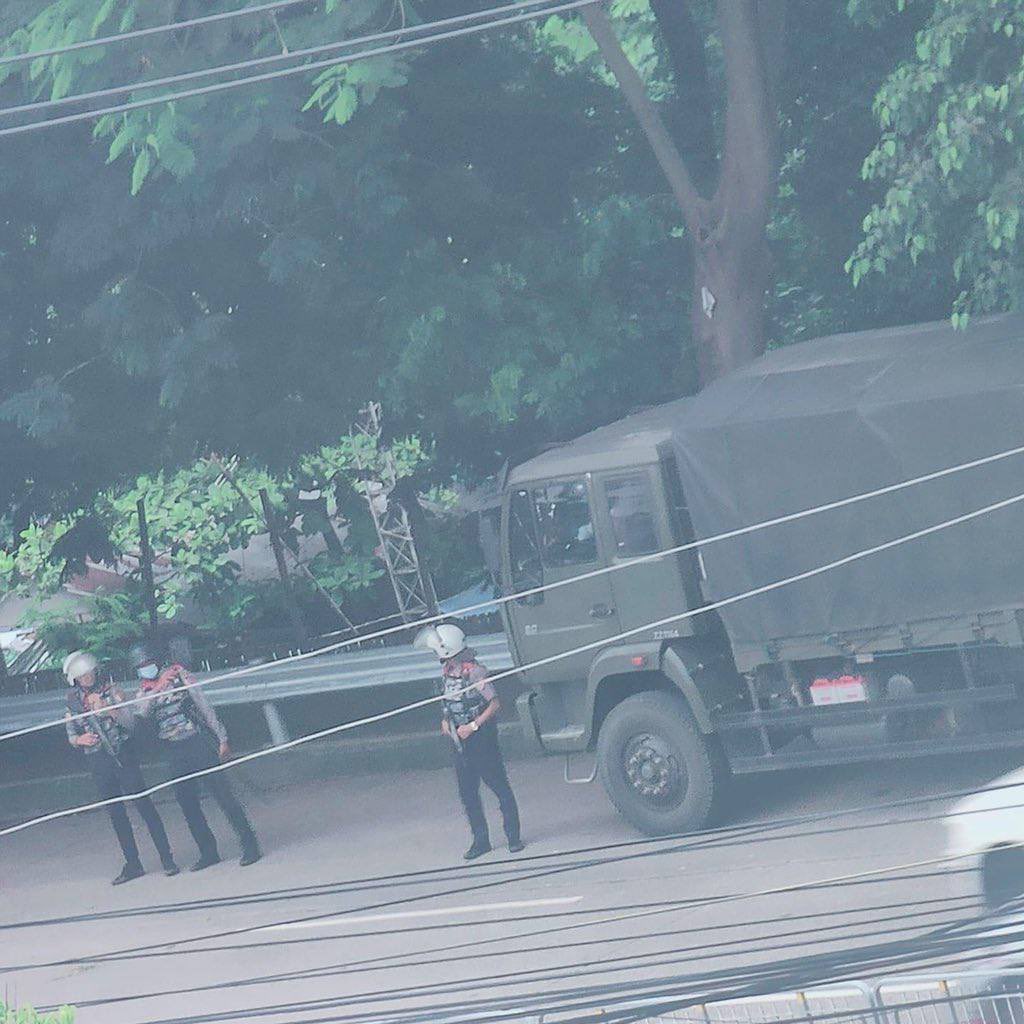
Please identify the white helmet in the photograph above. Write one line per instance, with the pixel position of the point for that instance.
(444, 640)
(78, 664)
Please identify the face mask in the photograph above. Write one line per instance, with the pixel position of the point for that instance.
(149, 671)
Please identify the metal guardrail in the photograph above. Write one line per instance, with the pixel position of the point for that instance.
(265, 684)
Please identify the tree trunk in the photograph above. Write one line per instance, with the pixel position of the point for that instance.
(727, 314)
(728, 230)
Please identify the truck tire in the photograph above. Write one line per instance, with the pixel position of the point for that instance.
(654, 764)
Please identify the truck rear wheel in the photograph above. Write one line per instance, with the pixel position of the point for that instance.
(654, 764)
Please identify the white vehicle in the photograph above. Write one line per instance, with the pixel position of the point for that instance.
(989, 826)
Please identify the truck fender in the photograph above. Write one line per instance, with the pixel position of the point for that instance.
(677, 666)
(616, 661)
(680, 666)
(529, 722)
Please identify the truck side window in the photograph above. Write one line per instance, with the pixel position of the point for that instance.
(630, 511)
(564, 523)
(524, 554)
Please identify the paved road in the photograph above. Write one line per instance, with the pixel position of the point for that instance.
(335, 924)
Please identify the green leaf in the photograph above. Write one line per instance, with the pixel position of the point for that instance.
(62, 82)
(118, 145)
(140, 171)
(105, 11)
(344, 106)
(178, 158)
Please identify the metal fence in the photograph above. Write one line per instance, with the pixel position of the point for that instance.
(959, 999)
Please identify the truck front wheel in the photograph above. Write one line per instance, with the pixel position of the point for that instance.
(655, 765)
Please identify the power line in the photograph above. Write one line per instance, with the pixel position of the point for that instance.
(267, 76)
(793, 975)
(276, 58)
(579, 578)
(936, 940)
(139, 33)
(625, 634)
(513, 871)
(160, 950)
(713, 952)
(800, 937)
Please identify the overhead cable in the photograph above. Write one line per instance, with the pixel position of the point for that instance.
(766, 588)
(288, 56)
(141, 33)
(581, 577)
(269, 76)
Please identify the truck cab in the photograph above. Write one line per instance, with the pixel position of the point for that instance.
(638, 695)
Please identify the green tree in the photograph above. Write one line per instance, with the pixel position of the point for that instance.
(950, 156)
(500, 273)
(489, 271)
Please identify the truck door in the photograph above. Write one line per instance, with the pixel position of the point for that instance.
(633, 513)
(550, 536)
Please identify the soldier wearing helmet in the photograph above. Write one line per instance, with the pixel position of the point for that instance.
(195, 740)
(104, 739)
(471, 705)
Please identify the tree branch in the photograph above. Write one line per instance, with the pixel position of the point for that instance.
(690, 117)
(690, 201)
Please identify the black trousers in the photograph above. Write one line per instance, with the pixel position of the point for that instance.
(193, 755)
(113, 779)
(479, 761)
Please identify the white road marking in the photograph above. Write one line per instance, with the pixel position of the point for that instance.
(476, 908)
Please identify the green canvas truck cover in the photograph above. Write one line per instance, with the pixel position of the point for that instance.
(830, 418)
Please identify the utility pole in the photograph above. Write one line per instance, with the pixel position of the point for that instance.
(146, 564)
(414, 590)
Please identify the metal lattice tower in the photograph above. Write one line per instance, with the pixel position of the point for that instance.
(413, 587)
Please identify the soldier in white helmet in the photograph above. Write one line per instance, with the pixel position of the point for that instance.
(469, 720)
(104, 739)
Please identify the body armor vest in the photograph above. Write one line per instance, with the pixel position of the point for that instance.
(462, 707)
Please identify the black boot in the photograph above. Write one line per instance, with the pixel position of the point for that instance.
(206, 860)
(478, 849)
(251, 853)
(516, 846)
(128, 873)
(170, 868)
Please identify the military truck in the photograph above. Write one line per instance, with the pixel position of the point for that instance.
(916, 650)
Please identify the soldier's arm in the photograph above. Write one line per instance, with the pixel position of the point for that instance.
(205, 708)
(69, 727)
(125, 717)
(478, 677)
(76, 738)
